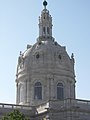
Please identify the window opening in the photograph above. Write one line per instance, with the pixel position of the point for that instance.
(48, 30)
(60, 57)
(37, 56)
(38, 91)
(60, 91)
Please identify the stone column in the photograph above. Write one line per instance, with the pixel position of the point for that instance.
(25, 93)
(28, 92)
(51, 87)
(17, 94)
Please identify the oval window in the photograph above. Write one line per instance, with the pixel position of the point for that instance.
(37, 56)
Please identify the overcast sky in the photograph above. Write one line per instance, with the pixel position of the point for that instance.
(19, 27)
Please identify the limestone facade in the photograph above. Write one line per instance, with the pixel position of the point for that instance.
(45, 68)
(45, 80)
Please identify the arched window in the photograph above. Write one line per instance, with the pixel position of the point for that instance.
(60, 91)
(38, 91)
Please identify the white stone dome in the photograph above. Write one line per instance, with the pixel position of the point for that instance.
(45, 71)
(46, 55)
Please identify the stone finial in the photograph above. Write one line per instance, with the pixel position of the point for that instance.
(45, 4)
(72, 57)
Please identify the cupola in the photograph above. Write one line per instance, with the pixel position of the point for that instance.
(45, 23)
(45, 71)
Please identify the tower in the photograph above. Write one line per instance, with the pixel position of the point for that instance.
(44, 71)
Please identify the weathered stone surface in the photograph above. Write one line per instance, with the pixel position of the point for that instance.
(45, 80)
(46, 62)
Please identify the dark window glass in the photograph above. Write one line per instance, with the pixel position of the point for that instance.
(38, 91)
(44, 16)
(37, 56)
(60, 91)
(48, 30)
(60, 57)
